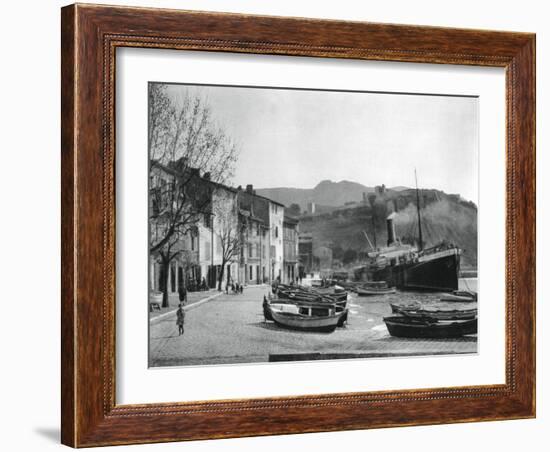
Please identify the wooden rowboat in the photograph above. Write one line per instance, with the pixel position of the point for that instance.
(415, 311)
(329, 295)
(396, 308)
(318, 318)
(339, 305)
(267, 311)
(401, 326)
(371, 291)
(375, 284)
(460, 296)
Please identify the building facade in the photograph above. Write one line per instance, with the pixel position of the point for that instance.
(276, 216)
(179, 265)
(253, 256)
(265, 245)
(305, 254)
(290, 250)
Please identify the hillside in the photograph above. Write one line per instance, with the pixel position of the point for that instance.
(444, 217)
(325, 194)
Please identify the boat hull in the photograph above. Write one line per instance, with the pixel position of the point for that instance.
(462, 297)
(374, 292)
(267, 312)
(399, 326)
(313, 296)
(306, 323)
(437, 314)
(434, 273)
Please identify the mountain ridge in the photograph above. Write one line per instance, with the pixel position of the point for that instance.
(325, 193)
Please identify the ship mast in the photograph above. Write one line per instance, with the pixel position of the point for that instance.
(420, 246)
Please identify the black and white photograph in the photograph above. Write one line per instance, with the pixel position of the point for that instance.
(294, 224)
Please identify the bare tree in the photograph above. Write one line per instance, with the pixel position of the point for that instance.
(187, 150)
(167, 254)
(226, 214)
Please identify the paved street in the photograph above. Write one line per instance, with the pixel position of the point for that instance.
(231, 329)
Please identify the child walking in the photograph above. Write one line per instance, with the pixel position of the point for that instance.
(180, 313)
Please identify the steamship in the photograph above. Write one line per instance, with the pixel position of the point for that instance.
(408, 267)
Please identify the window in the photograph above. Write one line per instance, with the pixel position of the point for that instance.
(250, 270)
(276, 231)
(250, 250)
(207, 220)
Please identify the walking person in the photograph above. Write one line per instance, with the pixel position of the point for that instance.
(180, 319)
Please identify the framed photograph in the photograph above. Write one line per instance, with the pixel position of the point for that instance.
(281, 225)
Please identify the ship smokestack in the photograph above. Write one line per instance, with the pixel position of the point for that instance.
(391, 228)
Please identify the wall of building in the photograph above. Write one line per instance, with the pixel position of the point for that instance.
(254, 262)
(276, 216)
(290, 252)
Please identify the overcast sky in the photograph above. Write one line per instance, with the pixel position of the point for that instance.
(297, 138)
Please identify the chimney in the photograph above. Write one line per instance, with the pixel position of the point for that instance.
(206, 176)
(249, 189)
(391, 228)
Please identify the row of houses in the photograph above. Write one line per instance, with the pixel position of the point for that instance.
(247, 233)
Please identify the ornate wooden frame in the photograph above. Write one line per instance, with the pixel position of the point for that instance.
(90, 35)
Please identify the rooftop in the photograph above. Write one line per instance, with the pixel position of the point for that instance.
(170, 168)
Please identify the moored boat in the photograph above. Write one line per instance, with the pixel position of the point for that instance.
(395, 308)
(371, 291)
(267, 311)
(308, 302)
(401, 326)
(374, 284)
(318, 318)
(336, 293)
(329, 295)
(353, 285)
(460, 296)
(413, 265)
(418, 312)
